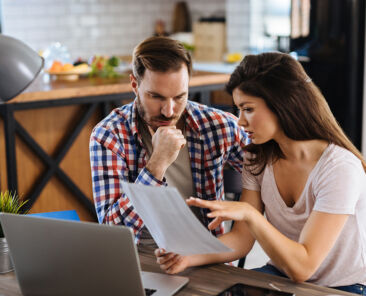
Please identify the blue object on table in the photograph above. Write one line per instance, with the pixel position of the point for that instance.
(63, 215)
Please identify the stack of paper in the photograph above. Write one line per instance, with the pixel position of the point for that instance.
(170, 221)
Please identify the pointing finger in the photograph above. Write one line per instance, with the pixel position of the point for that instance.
(197, 202)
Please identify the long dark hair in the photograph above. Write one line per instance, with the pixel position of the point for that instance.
(289, 93)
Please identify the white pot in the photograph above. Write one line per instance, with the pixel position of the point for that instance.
(6, 263)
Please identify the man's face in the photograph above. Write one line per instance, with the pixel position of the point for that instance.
(161, 96)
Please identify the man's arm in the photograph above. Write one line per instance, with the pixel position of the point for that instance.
(109, 167)
(109, 160)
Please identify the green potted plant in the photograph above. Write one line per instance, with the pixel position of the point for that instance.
(9, 203)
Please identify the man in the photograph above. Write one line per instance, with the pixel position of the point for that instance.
(161, 139)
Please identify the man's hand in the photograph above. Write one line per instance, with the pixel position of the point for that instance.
(167, 142)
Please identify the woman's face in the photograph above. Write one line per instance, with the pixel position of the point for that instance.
(259, 122)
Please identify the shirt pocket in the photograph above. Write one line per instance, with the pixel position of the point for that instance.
(214, 163)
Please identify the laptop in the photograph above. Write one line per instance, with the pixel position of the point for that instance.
(59, 257)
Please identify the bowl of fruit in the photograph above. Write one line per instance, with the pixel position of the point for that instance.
(67, 71)
(105, 67)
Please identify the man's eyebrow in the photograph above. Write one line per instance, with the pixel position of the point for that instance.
(161, 96)
(155, 94)
(182, 94)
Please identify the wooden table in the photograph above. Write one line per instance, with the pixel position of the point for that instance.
(206, 280)
(44, 137)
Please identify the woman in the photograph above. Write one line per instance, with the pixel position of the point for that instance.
(302, 172)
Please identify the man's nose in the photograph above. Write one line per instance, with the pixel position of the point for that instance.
(168, 108)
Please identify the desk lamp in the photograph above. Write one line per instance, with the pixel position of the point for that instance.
(19, 65)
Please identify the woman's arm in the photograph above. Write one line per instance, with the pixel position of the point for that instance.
(239, 239)
(299, 260)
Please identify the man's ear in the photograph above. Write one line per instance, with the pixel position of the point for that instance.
(134, 83)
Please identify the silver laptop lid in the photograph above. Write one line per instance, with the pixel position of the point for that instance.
(57, 257)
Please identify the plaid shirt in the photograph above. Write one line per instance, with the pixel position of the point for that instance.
(118, 154)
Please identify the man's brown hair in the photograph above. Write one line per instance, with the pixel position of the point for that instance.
(159, 54)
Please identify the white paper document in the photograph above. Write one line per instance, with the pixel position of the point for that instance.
(170, 221)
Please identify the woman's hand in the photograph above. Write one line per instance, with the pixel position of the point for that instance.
(171, 262)
(222, 210)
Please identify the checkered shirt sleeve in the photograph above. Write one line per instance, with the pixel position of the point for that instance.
(108, 160)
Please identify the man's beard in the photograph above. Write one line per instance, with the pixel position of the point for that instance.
(142, 114)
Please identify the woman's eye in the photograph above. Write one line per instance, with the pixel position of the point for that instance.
(247, 109)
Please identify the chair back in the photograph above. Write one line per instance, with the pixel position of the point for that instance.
(233, 183)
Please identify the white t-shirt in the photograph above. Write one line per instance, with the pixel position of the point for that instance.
(337, 184)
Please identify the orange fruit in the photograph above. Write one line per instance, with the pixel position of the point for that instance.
(67, 67)
(56, 66)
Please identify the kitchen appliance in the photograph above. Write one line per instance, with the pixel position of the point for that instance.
(332, 53)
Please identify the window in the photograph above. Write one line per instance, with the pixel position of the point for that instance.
(270, 25)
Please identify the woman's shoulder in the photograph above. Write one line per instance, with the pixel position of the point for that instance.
(335, 152)
(339, 181)
(335, 157)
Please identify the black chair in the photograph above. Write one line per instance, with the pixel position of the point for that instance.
(232, 183)
(233, 188)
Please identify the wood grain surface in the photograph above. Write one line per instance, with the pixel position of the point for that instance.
(206, 280)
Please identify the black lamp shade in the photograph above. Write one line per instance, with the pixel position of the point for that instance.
(19, 65)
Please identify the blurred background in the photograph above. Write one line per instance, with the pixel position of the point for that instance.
(326, 36)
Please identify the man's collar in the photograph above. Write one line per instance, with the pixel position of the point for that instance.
(191, 118)
(135, 122)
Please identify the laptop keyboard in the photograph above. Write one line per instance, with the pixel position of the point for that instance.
(149, 292)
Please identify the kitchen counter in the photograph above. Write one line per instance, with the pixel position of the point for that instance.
(46, 88)
(44, 149)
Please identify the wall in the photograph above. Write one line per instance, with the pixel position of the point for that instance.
(90, 27)
(238, 22)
